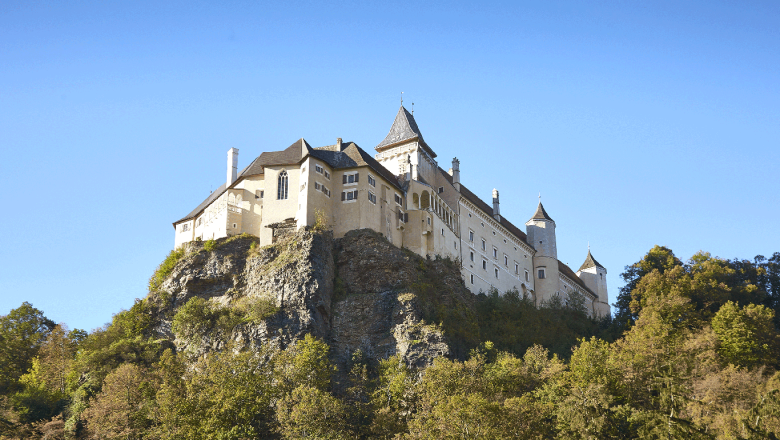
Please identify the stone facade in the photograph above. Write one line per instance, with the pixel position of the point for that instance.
(403, 194)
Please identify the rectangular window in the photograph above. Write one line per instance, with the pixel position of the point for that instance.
(429, 221)
(484, 245)
(526, 276)
(540, 274)
(495, 253)
(350, 178)
(484, 264)
(471, 236)
(371, 180)
(472, 279)
(327, 174)
(441, 189)
(442, 231)
(471, 256)
(372, 197)
(349, 195)
(456, 245)
(495, 269)
(506, 260)
(403, 217)
(318, 168)
(261, 194)
(185, 227)
(517, 269)
(399, 200)
(325, 191)
(317, 186)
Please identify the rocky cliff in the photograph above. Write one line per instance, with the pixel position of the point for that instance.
(358, 292)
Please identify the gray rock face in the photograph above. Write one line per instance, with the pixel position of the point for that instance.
(353, 293)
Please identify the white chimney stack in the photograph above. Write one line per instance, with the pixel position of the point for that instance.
(456, 174)
(496, 212)
(232, 166)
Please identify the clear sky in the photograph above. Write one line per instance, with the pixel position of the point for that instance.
(640, 123)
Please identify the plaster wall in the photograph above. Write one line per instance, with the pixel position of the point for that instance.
(476, 225)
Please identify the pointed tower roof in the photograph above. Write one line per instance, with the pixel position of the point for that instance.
(541, 214)
(404, 129)
(590, 262)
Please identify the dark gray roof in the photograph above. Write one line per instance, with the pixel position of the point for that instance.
(541, 214)
(290, 155)
(566, 270)
(487, 209)
(591, 262)
(350, 156)
(404, 128)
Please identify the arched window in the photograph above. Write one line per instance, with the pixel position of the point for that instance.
(416, 200)
(281, 192)
(425, 201)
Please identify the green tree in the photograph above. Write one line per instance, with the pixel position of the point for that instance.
(747, 335)
(658, 258)
(309, 412)
(22, 331)
(123, 409)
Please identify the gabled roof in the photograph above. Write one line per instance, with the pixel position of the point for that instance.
(349, 156)
(290, 155)
(487, 209)
(566, 270)
(541, 214)
(590, 262)
(404, 129)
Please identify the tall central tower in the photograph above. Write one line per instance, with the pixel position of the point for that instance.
(541, 235)
(405, 141)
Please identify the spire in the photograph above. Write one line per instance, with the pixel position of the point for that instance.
(404, 128)
(540, 213)
(590, 262)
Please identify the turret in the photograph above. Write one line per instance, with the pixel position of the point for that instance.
(232, 166)
(496, 212)
(594, 275)
(456, 174)
(541, 235)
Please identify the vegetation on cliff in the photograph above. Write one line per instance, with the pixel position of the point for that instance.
(694, 352)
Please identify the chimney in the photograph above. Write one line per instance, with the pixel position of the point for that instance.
(232, 167)
(456, 177)
(496, 212)
(338, 144)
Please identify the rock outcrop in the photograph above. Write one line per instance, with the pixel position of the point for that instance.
(357, 293)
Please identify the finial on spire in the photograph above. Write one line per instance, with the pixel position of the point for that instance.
(402, 98)
(540, 197)
(588, 246)
(412, 109)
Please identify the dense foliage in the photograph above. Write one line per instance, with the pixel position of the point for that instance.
(693, 352)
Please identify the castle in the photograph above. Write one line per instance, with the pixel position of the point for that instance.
(403, 194)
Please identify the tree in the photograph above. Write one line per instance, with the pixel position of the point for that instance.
(22, 331)
(123, 409)
(658, 258)
(308, 412)
(747, 335)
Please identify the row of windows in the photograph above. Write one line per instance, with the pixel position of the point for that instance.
(319, 169)
(484, 265)
(322, 188)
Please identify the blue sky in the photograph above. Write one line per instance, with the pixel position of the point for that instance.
(640, 123)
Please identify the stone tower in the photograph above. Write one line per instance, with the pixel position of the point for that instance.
(541, 235)
(594, 275)
(406, 141)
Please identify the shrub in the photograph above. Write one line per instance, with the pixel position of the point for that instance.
(165, 268)
(209, 245)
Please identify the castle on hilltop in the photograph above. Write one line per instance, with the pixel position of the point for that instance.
(403, 194)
